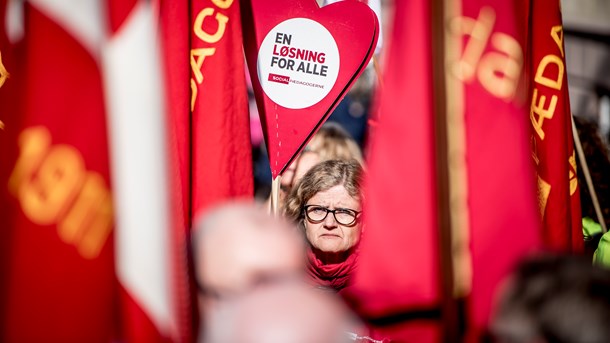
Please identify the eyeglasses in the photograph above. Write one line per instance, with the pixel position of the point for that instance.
(344, 216)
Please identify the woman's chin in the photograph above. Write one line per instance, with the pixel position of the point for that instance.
(326, 248)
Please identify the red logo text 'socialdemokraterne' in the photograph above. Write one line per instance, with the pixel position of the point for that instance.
(279, 78)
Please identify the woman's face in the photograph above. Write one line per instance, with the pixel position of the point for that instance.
(329, 235)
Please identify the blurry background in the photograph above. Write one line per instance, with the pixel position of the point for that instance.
(587, 41)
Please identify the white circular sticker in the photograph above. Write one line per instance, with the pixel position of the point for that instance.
(298, 63)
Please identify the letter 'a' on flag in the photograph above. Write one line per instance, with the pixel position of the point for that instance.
(551, 123)
(402, 285)
(504, 224)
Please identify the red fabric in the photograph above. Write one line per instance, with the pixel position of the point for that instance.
(175, 32)
(209, 146)
(552, 133)
(334, 275)
(52, 292)
(504, 221)
(9, 115)
(222, 152)
(136, 325)
(398, 266)
(118, 11)
(55, 292)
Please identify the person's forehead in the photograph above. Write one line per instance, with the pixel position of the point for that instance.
(250, 246)
(240, 233)
(336, 193)
(307, 160)
(244, 265)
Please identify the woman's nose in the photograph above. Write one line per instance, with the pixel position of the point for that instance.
(330, 220)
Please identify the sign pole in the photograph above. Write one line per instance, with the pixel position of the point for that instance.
(377, 71)
(585, 171)
(275, 195)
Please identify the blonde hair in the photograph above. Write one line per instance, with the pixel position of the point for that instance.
(332, 142)
(322, 177)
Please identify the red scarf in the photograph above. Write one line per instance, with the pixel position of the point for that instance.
(334, 276)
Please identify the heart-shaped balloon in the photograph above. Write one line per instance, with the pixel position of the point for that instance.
(302, 60)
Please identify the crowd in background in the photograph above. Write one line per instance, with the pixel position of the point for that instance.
(268, 279)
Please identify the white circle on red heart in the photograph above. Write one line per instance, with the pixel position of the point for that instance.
(298, 63)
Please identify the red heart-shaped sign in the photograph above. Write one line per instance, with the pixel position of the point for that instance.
(302, 61)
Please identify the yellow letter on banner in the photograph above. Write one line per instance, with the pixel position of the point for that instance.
(59, 179)
(557, 34)
(197, 62)
(89, 221)
(193, 93)
(478, 31)
(542, 67)
(573, 173)
(34, 144)
(499, 72)
(544, 190)
(224, 4)
(543, 113)
(198, 26)
(3, 72)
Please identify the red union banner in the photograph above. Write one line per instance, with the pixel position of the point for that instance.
(399, 266)
(504, 223)
(552, 140)
(57, 252)
(221, 149)
(83, 126)
(492, 192)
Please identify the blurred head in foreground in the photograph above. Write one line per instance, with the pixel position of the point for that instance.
(555, 300)
(284, 312)
(239, 245)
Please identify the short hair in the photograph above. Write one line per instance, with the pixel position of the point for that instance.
(322, 177)
(333, 142)
(560, 299)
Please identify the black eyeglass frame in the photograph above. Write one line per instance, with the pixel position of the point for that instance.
(328, 210)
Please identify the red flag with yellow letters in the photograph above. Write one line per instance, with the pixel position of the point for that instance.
(58, 280)
(551, 123)
(504, 224)
(85, 248)
(403, 284)
(222, 153)
(208, 120)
